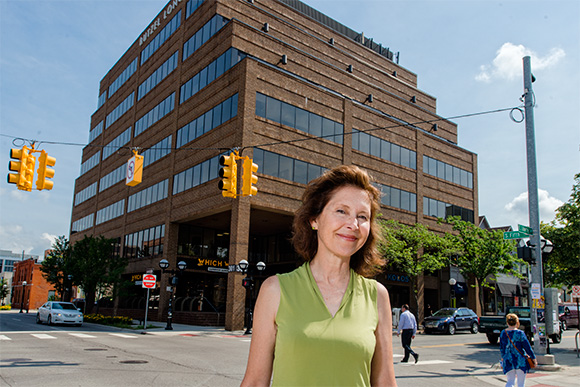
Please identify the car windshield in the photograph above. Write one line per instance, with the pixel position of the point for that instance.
(62, 305)
(444, 313)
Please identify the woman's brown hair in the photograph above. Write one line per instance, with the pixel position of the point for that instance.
(367, 261)
(512, 319)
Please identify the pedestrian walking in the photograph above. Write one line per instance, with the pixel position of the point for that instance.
(408, 328)
(515, 348)
(326, 323)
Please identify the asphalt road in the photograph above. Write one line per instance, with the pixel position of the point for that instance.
(95, 355)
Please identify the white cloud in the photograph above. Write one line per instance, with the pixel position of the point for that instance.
(518, 207)
(507, 64)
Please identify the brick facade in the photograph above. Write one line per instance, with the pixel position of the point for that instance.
(36, 290)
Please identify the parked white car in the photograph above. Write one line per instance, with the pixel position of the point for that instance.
(57, 312)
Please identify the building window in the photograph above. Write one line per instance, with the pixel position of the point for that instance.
(439, 209)
(148, 196)
(284, 167)
(158, 75)
(96, 131)
(398, 198)
(297, 118)
(86, 194)
(447, 172)
(154, 115)
(384, 149)
(144, 243)
(121, 79)
(111, 212)
(92, 162)
(161, 37)
(203, 35)
(117, 143)
(83, 223)
(157, 151)
(121, 109)
(214, 117)
(102, 99)
(192, 6)
(113, 177)
(196, 175)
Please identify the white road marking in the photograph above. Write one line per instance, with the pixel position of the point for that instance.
(82, 335)
(43, 336)
(123, 336)
(3, 337)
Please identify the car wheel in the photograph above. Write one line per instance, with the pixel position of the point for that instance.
(557, 338)
(78, 325)
(492, 339)
(451, 329)
(38, 321)
(564, 325)
(474, 327)
(428, 331)
(49, 320)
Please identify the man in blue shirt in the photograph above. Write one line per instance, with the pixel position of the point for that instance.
(408, 325)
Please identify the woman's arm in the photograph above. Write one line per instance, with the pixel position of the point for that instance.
(261, 358)
(382, 369)
(527, 347)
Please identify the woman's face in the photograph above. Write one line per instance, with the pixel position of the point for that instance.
(345, 222)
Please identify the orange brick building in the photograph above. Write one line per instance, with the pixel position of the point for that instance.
(29, 288)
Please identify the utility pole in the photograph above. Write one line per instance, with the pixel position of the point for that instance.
(538, 329)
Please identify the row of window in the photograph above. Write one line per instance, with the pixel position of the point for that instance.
(214, 117)
(102, 99)
(157, 151)
(148, 196)
(113, 177)
(161, 37)
(447, 172)
(111, 212)
(398, 198)
(384, 149)
(96, 131)
(117, 143)
(92, 162)
(119, 110)
(144, 243)
(86, 194)
(192, 6)
(152, 116)
(297, 118)
(203, 35)
(284, 167)
(83, 223)
(124, 77)
(439, 209)
(210, 73)
(196, 175)
(158, 75)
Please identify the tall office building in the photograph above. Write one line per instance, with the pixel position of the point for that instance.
(286, 85)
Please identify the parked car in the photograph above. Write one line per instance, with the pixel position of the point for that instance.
(449, 320)
(568, 315)
(57, 312)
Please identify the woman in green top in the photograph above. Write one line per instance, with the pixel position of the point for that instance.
(326, 324)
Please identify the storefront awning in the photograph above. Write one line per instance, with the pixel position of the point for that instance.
(509, 286)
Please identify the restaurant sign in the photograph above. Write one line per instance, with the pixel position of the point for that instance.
(213, 265)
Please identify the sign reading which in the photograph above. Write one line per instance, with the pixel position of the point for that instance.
(149, 281)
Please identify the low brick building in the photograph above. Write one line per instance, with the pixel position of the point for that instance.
(29, 288)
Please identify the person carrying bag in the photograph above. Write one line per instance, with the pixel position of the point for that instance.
(516, 352)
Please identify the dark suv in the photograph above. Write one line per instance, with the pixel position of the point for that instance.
(448, 320)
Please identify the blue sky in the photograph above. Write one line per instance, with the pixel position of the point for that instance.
(467, 54)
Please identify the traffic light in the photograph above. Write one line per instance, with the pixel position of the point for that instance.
(44, 172)
(525, 253)
(134, 170)
(249, 179)
(24, 168)
(229, 175)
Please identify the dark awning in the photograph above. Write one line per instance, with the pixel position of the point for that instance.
(508, 290)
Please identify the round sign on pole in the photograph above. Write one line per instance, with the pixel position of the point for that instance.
(149, 281)
(576, 291)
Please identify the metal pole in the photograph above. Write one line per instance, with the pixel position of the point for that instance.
(533, 203)
(146, 310)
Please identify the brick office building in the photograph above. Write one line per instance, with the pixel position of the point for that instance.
(285, 84)
(29, 287)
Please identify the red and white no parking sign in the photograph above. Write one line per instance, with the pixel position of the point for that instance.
(149, 281)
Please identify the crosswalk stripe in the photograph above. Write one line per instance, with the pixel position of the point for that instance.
(123, 336)
(83, 335)
(3, 337)
(43, 336)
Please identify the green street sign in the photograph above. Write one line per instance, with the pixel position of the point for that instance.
(514, 235)
(525, 229)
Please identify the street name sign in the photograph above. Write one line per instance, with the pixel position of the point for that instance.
(525, 229)
(514, 235)
(149, 281)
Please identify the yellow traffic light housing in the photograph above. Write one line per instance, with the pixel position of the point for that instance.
(229, 175)
(24, 168)
(134, 170)
(44, 172)
(249, 177)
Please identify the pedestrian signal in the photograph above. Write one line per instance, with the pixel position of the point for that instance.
(229, 175)
(44, 172)
(249, 177)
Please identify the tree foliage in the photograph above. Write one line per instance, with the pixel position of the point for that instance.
(483, 253)
(3, 290)
(562, 266)
(55, 267)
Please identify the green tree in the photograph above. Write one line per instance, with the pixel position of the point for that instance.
(562, 265)
(95, 268)
(414, 250)
(482, 254)
(3, 290)
(55, 267)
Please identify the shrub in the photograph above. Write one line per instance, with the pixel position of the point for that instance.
(5, 307)
(107, 320)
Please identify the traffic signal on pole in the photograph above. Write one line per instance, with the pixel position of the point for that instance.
(229, 175)
(525, 253)
(44, 172)
(249, 177)
(24, 168)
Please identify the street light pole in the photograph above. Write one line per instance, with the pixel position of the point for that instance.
(22, 299)
(248, 283)
(452, 282)
(164, 264)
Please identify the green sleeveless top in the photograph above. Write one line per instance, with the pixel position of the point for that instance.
(315, 349)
